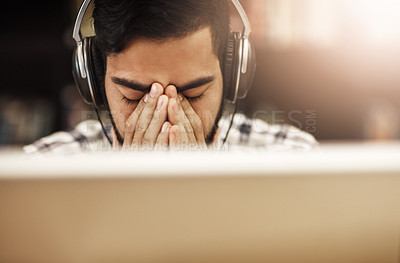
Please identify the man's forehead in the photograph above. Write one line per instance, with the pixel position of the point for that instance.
(173, 60)
(202, 37)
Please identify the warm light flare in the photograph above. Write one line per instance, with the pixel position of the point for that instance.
(327, 23)
(377, 20)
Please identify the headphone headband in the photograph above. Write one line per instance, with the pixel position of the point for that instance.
(78, 23)
(245, 19)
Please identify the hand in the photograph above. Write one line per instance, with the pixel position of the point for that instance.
(147, 128)
(187, 131)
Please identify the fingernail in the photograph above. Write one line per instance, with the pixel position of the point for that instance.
(165, 127)
(180, 97)
(146, 98)
(160, 103)
(153, 91)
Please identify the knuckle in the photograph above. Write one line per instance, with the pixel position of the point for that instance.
(185, 106)
(140, 127)
(152, 102)
(156, 116)
(189, 129)
(198, 125)
(140, 106)
(128, 124)
(191, 115)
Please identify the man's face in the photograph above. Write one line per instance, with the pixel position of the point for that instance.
(188, 63)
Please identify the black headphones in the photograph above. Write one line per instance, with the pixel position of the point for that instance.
(88, 63)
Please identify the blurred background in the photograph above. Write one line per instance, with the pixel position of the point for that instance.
(329, 67)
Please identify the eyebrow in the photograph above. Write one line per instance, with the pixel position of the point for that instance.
(146, 88)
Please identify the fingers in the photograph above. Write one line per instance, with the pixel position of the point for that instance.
(173, 114)
(188, 129)
(147, 114)
(154, 128)
(147, 127)
(174, 138)
(130, 124)
(175, 117)
(194, 119)
(162, 143)
(191, 132)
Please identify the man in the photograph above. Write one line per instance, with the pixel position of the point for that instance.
(163, 81)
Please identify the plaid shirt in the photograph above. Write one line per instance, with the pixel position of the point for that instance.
(244, 133)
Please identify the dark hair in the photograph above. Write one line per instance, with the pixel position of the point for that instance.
(118, 22)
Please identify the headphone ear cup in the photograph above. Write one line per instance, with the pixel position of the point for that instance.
(229, 72)
(81, 83)
(246, 79)
(91, 88)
